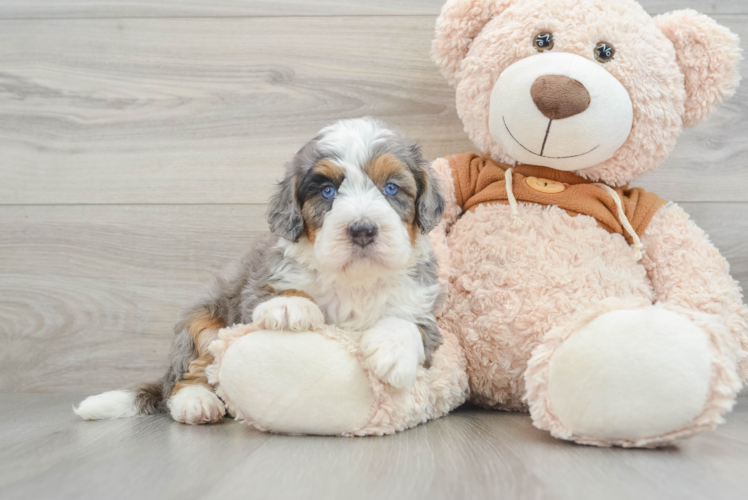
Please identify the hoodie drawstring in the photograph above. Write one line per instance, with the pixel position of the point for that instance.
(638, 246)
(516, 219)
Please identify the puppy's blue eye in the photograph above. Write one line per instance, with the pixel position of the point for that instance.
(391, 189)
(329, 192)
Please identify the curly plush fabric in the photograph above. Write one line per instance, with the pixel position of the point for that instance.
(673, 242)
(511, 285)
(722, 386)
(523, 295)
(477, 40)
(708, 54)
(259, 387)
(517, 294)
(457, 26)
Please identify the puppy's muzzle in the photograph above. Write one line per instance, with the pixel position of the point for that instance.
(362, 233)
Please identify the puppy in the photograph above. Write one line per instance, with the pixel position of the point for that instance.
(348, 246)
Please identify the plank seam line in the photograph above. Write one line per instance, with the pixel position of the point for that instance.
(249, 16)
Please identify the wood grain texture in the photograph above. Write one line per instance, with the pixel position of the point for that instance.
(47, 452)
(138, 144)
(89, 294)
(200, 111)
(14, 9)
(208, 110)
(727, 226)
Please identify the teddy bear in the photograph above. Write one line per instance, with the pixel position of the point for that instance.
(601, 309)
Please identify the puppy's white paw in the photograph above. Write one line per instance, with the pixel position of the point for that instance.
(288, 313)
(393, 349)
(196, 404)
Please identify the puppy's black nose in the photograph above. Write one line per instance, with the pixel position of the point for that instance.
(362, 233)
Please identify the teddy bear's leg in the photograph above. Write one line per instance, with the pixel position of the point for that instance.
(632, 374)
(292, 382)
(320, 383)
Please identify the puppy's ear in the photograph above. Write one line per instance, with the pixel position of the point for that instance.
(284, 212)
(458, 24)
(708, 56)
(429, 200)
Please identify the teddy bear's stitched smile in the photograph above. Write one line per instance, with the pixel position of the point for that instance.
(544, 141)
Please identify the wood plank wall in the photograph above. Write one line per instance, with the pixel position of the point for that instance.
(139, 143)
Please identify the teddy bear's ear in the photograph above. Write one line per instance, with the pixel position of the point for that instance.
(708, 56)
(458, 24)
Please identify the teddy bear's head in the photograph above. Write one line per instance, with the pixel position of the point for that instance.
(597, 87)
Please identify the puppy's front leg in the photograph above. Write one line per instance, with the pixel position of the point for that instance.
(192, 400)
(393, 349)
(290, 310)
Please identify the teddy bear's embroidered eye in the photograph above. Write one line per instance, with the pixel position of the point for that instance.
(543, 42)
(604, 52)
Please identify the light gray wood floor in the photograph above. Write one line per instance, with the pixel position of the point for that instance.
(138, 145)
(47, 452)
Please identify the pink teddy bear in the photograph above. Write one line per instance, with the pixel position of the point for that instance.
(603, 310)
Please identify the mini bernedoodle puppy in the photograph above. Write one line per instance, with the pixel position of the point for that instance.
(348, 246)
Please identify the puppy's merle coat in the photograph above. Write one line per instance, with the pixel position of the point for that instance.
(348, 246)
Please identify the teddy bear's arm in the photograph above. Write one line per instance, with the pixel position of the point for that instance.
(452, 212)
(687, 270)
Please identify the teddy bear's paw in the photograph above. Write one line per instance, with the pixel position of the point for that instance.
(196, 404)
(634, 377)
(393, 349)
(288, 313)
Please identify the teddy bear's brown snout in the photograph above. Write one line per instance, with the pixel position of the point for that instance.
(558, 96)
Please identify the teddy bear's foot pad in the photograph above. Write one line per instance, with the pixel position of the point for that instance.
(631, 374)
(296, 383)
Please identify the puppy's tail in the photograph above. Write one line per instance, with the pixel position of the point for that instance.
(147, 400)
